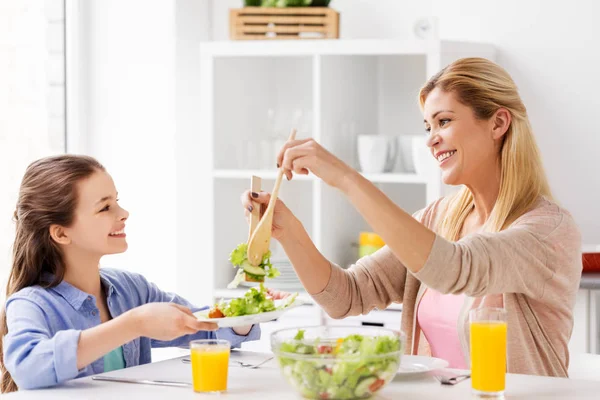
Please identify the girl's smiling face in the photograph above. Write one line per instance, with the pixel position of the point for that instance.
(99, 224)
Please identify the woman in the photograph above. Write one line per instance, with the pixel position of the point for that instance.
(501, 241)
(65, 318)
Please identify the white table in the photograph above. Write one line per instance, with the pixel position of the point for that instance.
(267, 383)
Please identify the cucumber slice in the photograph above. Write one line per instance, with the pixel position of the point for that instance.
(362, 388)
(252, 270)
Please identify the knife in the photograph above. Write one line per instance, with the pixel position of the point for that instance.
(142, 381)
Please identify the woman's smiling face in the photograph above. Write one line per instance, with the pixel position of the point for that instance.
(463, 145)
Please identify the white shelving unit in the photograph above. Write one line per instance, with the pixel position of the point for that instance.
(340, 88)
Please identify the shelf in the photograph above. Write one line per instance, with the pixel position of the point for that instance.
(272, 174)
(349, 47)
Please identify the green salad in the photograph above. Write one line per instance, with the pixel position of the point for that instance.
(353, 367)
(254, 301)
(257, 273)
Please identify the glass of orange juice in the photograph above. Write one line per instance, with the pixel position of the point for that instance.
(488, 351)
(210, 365)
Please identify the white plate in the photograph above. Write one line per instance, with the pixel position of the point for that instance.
(231, 322)
(414, 365)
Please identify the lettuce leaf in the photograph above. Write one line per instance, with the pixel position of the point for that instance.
(240, 254)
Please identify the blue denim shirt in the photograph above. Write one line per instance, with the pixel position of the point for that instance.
(44, 325)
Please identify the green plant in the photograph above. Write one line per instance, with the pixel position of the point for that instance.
(286, 3)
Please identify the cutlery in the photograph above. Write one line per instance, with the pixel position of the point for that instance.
(141, 381)
(253, 366)
(451, 380)
(258, 244)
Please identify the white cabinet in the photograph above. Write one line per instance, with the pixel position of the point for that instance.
(586, 327)
(579, 342)
(253, 94)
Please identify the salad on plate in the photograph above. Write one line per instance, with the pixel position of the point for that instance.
(254, 307)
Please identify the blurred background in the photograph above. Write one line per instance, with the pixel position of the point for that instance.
(182, 106)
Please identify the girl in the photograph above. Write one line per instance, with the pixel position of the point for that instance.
(65, 318)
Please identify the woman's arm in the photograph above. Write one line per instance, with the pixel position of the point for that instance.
(312, 268)
(407, 238)
(375, 281)
(521, 259)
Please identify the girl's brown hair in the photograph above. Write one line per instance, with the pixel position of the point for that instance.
(47, 196)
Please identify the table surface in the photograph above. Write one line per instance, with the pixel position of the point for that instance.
(267, 383)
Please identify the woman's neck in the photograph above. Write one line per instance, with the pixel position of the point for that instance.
(82, 271)
(485, 193)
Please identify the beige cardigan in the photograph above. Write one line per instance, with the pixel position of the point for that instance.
(533, 269)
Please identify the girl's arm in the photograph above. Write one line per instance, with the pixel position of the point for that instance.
(150, 293)
(36, 357)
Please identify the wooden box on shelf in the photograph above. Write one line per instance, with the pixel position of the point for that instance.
(264, 23)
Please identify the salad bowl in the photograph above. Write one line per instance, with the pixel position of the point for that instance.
(338, 362)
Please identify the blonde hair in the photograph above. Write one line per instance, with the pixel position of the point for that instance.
(486, 87)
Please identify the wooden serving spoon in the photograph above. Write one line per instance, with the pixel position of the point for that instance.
(255, 184)
(260, 239)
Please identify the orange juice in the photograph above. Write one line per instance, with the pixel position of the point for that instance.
(488, 356)
(210, 366)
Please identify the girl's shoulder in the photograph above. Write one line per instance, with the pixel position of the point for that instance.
(35, 294)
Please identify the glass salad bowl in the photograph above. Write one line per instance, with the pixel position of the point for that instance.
(338, 362)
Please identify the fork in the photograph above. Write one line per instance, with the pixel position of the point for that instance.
(251, 366)
(452, 380)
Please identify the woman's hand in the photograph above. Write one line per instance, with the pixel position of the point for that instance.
(168, 321)
(282, 216)
(302, 156)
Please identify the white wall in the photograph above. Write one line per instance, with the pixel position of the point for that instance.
(138, 87)
(549, 47)
(192, 27)
(131, 121)
(32, 97)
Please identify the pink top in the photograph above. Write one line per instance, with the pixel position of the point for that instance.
(437, 316)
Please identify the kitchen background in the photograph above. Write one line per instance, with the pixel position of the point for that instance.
(124, 80)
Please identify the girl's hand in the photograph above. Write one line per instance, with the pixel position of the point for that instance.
(282, 216)
(302, 156)
(168, 321)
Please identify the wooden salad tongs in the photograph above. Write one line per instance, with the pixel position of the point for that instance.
(260, 236)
